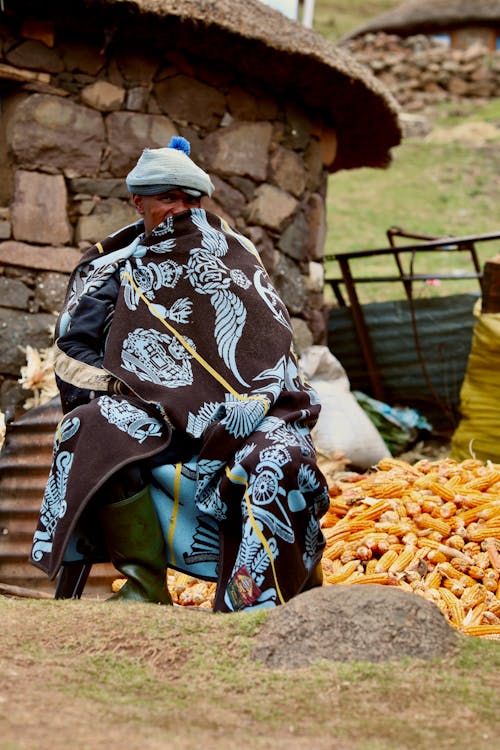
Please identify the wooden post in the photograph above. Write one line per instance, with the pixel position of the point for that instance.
(491, 286)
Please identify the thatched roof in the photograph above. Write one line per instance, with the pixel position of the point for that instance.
(428, 16)
(260, 45)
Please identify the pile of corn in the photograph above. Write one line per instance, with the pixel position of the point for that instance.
(189, 591)
(432, 528)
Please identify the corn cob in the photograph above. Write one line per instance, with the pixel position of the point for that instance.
(473, 595)
(343, 574)
(484, 482)
(441, 490)
(433, 579)
(455, 608)
(385, 562)
(482, 630)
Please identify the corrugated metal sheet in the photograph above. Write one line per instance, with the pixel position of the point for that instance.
(444, 326)
(24, 467)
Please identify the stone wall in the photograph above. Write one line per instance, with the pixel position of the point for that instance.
(420, 71)
(74, 120)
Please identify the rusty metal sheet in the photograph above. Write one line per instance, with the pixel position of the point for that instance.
(24, 467)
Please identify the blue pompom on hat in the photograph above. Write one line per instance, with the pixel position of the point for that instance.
(162, 169)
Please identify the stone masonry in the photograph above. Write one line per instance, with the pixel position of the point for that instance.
(420, 71)
(70, 134)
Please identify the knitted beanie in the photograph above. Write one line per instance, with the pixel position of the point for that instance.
(161, 169)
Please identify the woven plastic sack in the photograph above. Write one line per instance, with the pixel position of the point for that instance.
(478, 433)
(342, 424)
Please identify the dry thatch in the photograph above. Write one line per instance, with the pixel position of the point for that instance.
(427, 16)
(259, 46)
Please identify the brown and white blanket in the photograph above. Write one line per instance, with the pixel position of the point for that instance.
(204, 343)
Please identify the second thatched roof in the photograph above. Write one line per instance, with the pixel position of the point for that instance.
(427, 16)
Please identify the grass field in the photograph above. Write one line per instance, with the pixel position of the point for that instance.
(88, 676)
(438, 186)
(334, 18)
(432, 187)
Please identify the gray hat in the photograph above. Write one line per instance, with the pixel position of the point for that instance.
(161, 169)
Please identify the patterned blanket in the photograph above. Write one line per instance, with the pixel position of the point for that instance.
(204, 343)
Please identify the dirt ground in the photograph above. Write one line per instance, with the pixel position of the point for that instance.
(88, 675)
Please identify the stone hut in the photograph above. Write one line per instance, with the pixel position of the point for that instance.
(270, 109)
(462, 23)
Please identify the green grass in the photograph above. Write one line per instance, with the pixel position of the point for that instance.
(437, 189)
(335, 18)
(153, 677)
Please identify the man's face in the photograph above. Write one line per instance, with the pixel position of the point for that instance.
(156, 208)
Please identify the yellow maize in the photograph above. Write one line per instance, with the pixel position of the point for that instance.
(482, 630)
(433, 579)
(403, 560)
(484, 482)
(385, 562)
(489, 529)
(343, 574)
(473, 595)
(445, 493)
(455, 608)
(333, 551)
(426, 521)
(383, 578)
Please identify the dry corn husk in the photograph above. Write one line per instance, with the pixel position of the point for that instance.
(2, 429)
(431, 528)
(38, 376)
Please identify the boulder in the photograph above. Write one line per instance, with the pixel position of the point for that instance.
(108, 216)
(50, 291)
(130, 132)
(353, 623)
(104, 96)
(291, 285)
(39, 209)
(187, 100)
(287, 171)
(56, 135)
(36, 56)
(17, 329)
(240, 149)
(271, 207)
(13, 293)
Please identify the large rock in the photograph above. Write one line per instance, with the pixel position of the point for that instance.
(245, 106)
(39, 210)
(295, 239)
(82, 58)
(17, 329)
(130, 132)
(271, 207)
(187, 100)
(291, 285)
(353, 623)
(50, 291)
(43, 257)
(103, 96)
(35, 55)
(56, 135)
(227, 196)
(316, 216)
(240, 149)
(105, 188)
(108, 216)
(138, 70)
(13, 293)
(287, 171)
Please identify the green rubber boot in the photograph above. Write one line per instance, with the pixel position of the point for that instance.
(137, 548)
